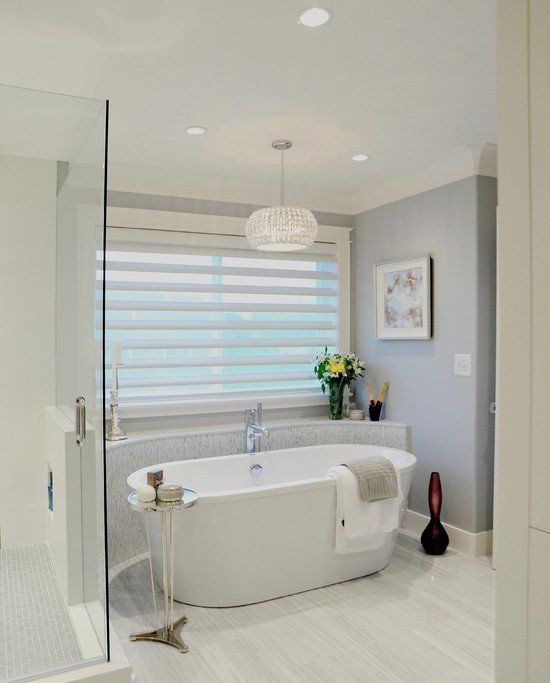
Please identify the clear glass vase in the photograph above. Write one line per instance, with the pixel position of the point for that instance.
(335, 400)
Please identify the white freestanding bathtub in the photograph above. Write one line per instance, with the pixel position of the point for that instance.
(255, 538)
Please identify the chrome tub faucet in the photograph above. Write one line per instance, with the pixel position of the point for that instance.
(253, 429)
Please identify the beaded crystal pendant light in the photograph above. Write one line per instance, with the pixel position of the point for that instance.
(281, 228)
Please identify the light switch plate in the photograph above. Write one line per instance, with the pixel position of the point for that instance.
(463, 364)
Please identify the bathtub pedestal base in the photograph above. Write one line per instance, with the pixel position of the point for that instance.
(163, 635)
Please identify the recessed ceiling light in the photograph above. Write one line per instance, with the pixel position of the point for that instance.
(314, 16)
(195, 130)
(359, 157)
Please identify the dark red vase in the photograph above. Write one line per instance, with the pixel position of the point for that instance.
(434, 538)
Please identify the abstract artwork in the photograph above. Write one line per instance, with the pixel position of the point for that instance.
(403, 293)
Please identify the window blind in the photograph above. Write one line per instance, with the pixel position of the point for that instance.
(205, 316)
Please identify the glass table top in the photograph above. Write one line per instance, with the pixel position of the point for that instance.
(188, 499)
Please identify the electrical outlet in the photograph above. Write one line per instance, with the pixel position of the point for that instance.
(463, 364)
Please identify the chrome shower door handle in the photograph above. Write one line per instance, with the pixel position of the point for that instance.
(80, 420)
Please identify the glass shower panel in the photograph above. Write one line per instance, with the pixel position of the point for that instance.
(80, 390)
(53, 585)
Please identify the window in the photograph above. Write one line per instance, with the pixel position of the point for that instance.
(204, 318)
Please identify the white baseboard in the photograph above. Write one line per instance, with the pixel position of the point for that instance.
(464, 541)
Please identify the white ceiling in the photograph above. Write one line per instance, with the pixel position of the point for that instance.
(407, 82)
(47, 126)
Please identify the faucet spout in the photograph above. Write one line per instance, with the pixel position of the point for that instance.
(254, 429)
(261, 431)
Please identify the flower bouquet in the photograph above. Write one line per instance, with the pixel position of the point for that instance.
(335, 370)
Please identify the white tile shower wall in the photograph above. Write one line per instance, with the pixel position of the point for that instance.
(64, 523)
(124, 533)
(27, 345)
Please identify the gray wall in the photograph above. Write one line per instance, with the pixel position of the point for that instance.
(451, 428)
(133, 200)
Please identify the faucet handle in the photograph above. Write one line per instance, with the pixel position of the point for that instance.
(259, 411)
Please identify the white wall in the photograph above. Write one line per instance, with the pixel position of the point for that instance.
(523, 401)
(27, 342)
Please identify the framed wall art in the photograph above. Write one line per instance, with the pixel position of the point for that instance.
(402, 290)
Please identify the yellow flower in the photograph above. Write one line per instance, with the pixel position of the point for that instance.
(336, 366)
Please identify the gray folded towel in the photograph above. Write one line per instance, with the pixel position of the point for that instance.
(376, 477)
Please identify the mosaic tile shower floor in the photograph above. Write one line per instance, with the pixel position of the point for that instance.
(36, 632)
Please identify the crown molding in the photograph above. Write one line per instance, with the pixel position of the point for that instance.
(462, 163)
(484, 159)
(475, 159)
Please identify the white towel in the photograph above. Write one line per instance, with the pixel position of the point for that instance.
(365, 524)
(376, 477)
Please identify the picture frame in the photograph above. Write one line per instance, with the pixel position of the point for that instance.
(403, 293)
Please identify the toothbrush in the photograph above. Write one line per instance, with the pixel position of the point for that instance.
(371, 392)
(382, 392)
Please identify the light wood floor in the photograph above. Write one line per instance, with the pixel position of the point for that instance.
(420, 619)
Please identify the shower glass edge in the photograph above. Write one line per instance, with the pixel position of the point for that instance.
(81, 240)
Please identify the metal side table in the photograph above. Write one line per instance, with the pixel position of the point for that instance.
(169, 632)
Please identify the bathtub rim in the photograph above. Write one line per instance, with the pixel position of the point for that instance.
(269, 489)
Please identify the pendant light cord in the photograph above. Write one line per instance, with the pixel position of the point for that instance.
(283, 189)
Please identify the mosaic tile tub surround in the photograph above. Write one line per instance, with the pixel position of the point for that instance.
(124, 532)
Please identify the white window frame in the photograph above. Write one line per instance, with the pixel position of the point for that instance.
(119, 217)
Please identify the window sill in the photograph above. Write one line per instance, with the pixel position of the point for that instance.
(227, 405)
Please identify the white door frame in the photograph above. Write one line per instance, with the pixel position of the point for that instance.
(523, 403)
(513, 424)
